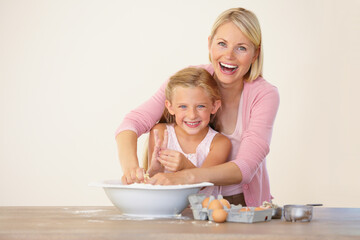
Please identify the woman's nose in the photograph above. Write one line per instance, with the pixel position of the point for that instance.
(229, 53)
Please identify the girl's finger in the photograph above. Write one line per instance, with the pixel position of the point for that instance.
(170, 166)
(165, 141)
(156, 136)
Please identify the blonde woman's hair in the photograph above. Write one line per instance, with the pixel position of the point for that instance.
(249, 25)
(191, 77)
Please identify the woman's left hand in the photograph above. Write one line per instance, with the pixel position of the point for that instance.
(174, 161)
(173, 178)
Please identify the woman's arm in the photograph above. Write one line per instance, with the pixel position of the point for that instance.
(224, 174)
(135, 123)
(255, 140)
(143, 118)
(127, 153)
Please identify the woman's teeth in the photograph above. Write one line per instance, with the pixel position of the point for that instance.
(228, 68)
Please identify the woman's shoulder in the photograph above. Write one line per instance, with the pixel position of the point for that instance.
(260, 82)
(260, 86)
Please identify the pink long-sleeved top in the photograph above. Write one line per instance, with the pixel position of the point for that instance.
(260, 102)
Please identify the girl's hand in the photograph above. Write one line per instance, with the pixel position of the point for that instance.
(133, 175)
(155, 164)
(174, 161)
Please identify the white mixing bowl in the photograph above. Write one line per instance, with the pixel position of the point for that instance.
(145, 200)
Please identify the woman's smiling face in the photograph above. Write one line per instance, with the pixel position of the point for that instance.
(231, 53)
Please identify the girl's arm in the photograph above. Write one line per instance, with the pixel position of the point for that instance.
(210, 170)
(157, 141)
(219, 151)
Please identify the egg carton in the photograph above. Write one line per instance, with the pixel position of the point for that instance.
(198, 211)
(234, 213)
(250, 216)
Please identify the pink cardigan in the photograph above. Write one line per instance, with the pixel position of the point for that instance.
(260, 105)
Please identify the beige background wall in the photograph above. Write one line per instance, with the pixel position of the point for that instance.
(70, 70)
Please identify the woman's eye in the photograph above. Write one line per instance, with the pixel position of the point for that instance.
(222, 44)
(241, 48)
(201, 106)
(182, 106)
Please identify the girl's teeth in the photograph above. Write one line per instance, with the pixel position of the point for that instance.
(192, 123)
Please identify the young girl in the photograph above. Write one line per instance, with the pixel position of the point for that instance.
(186, 140)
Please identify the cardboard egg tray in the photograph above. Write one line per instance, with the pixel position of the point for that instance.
(234, 213)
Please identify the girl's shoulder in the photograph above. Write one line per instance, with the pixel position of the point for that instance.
(221, 139)
(159, 126)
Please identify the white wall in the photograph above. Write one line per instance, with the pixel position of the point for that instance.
(70, 70)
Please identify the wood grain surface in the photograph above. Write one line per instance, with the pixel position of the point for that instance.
(108, 223)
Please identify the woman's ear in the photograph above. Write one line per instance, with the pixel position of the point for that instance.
(257, 52)
(209, 42)
(169, 107)
(216, 106)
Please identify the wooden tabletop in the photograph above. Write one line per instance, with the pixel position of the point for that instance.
(108, 223)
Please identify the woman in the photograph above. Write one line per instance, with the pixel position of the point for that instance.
(249, 107)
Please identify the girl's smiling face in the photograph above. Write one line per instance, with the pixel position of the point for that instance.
(192, 108)
(231, 53)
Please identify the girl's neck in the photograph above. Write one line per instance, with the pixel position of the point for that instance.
(184, 136)
(189, 142)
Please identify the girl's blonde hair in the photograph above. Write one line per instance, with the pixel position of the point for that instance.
(249, 25)
(191, 77)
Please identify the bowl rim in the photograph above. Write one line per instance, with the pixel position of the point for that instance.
(118, 184)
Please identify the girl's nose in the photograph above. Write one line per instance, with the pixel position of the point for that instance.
(192, 113)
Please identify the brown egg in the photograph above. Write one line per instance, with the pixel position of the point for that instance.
(259, 208)
(225, 203)
(205, 202)
(219, 215)
(245, 209)
(215, 204)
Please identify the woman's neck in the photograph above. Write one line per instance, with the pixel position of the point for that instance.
(230, 93)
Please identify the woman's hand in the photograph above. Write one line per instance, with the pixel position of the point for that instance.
(173, 178)
(133, 175)
(174, 161)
